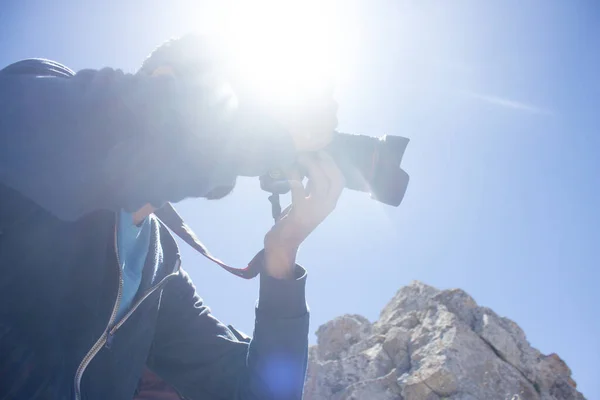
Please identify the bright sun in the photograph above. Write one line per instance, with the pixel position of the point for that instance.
(283, 46)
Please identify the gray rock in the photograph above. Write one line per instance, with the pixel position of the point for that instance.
(383, 388)
(336, 337)
(431, 345)
(410, 298)
(396, 347)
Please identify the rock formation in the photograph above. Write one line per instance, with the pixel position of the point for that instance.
(432, 345)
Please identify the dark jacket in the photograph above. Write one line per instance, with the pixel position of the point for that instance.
(73, 152)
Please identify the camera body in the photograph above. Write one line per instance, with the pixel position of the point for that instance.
(369, 164)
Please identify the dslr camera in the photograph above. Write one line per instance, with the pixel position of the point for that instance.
(369, 164)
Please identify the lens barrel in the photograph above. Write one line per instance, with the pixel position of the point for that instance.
(372, 165)
(369, 164)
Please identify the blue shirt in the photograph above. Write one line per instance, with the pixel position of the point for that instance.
(132, 246)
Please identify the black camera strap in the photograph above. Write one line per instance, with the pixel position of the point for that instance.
(169, 217)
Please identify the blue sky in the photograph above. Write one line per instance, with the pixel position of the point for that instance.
(500, 100)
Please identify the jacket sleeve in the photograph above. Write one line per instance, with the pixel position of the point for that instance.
(106, 139)
(202, 358)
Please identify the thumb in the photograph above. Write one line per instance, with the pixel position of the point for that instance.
(297, 190)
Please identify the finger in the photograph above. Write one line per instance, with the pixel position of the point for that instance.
(319, 182)
(334, 174)
(285, 212)
(329, 166)
(297, 191)
(309, 188)
(294, 174)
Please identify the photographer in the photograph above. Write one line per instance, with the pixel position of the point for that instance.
(92, 290)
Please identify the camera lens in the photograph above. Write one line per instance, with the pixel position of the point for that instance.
(372, 165)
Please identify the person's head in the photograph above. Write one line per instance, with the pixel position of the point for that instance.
(186, 56)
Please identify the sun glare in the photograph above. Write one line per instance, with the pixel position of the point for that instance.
(283, 47)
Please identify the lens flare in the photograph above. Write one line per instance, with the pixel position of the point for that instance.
(283, 50)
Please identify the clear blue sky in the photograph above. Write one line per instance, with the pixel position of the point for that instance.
(500, 100)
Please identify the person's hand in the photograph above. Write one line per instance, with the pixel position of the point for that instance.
(310, 206)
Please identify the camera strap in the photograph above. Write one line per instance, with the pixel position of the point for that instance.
(169, 217)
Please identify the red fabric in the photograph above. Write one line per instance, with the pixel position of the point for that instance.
(152, 387)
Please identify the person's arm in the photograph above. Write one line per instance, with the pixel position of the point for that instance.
(202, 358)
(106, 139)
(198, 355)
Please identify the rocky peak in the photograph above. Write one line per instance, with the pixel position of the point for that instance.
(430, 344)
